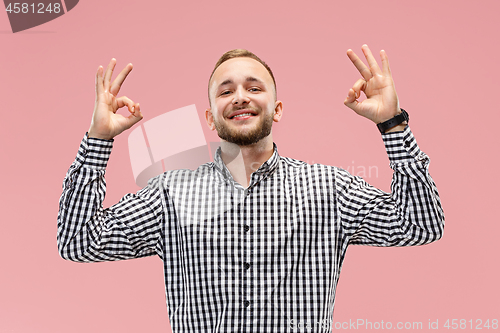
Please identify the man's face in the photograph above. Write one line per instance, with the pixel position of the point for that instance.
(243, 102)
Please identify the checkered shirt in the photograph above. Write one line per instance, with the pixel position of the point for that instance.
(260, 259)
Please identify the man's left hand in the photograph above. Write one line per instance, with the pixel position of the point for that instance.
(381, 101)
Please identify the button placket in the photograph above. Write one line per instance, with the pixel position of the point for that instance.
(247, 285)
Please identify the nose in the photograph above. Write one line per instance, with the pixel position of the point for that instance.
(240, 97)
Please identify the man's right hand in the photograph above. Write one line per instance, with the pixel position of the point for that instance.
(106, 123)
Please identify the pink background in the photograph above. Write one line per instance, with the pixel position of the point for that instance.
(444, 58)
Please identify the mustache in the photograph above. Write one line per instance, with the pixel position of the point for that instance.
(244, 108)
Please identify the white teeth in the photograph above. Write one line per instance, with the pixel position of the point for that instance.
(243, 114)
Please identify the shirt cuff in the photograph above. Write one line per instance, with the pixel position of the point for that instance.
(94, 153)
(402, 147)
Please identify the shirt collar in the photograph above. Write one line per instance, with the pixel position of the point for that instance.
(266, 169)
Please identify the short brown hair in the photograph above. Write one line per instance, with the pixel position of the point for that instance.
(239, 53)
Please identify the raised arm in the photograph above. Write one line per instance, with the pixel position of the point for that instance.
(412, 213)
(133, 227)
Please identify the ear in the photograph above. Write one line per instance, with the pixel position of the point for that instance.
(210, 119)
(278, 111)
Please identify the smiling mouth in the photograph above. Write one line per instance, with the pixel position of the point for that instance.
(247, 114)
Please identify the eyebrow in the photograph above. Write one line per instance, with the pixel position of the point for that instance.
(248, 79)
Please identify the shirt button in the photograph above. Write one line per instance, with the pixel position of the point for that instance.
(247, 304)
(246, 265)
(407, 144)
(421, 156)
(246, 227)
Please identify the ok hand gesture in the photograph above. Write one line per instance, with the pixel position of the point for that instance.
(106, 123)
(381, 101)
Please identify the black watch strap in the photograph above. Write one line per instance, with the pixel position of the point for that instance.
(403, 116)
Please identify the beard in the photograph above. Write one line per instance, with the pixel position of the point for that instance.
(260, 131)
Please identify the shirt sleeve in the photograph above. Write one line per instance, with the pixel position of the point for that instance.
(86, 232)
(410, 215)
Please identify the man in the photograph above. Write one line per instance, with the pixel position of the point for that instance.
(252, 242)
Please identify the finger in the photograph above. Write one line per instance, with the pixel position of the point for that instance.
(374, 68)
(125, 101)
(385, 63)
(117, 83)
(109, 73)
(359, 86)
(137, 112)
(351, 101)
(99, 86)
(137, 109)
(134, 117)
(363, 70)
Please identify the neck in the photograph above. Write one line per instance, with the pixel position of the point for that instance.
(242, 161)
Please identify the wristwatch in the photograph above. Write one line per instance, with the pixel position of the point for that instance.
(403, 116)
